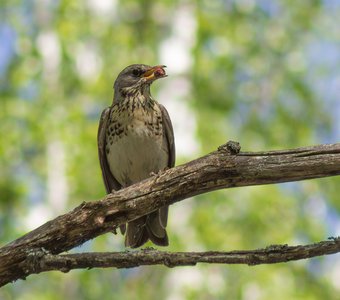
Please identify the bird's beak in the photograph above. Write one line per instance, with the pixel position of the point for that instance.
(154, 73)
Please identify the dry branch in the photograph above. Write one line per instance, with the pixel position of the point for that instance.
(219, 169)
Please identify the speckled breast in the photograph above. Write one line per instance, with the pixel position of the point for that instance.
(135, 144)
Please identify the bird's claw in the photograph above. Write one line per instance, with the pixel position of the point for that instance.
(154, 174)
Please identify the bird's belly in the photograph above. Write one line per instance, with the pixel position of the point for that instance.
(133, 157)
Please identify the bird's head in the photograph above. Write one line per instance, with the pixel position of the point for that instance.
(137, 79)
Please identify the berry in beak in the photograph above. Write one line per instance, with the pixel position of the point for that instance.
(154, 73)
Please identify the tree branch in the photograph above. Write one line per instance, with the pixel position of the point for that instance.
(224, 168)
(43, 262)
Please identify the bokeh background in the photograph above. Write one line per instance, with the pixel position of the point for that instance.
(265, 73)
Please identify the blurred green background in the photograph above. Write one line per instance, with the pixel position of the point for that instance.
(264, 73)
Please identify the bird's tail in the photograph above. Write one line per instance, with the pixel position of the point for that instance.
(151, 226)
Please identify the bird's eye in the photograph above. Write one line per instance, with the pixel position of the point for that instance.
(137, 72)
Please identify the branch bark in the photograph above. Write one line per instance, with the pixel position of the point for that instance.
(224, 168)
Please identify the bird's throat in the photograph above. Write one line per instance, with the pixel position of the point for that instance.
(139, 93)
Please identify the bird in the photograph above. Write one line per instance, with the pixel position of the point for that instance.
(136, 140)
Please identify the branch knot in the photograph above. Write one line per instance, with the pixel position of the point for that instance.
(231, 147)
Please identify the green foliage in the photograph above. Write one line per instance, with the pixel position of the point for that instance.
(259, 72)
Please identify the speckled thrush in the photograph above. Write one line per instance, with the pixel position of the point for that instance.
(135, 139)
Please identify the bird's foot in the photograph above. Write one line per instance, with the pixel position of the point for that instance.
(154, 174)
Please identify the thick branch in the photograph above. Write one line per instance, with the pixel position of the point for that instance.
(218, 170)
(273, 254)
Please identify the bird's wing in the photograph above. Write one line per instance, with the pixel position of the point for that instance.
(110, 182)
(169, 136)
